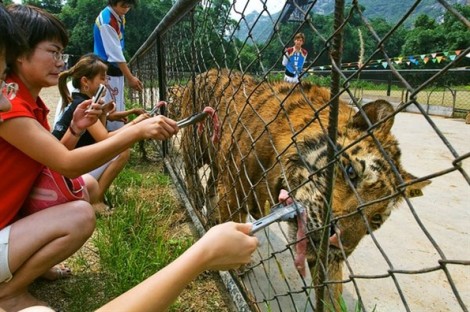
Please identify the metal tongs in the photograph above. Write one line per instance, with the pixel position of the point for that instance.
(186, 121)
(154, 110)
(192, 119)
(278, 213)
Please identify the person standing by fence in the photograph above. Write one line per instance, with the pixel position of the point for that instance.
(108, 38)
(294, 59)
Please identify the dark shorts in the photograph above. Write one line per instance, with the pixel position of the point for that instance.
(114, 71)
(289, 74)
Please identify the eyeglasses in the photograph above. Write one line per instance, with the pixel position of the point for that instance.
(9, 90)
(58, 56)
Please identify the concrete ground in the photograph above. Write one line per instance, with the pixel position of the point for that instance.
(443, 212)
(413, 239)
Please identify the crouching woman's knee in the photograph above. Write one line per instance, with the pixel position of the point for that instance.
(82, 219)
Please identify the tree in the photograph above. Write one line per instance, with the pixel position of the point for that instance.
(456, 32)
(212, 25)
(425, 22)
(137, 31)
(421, 41)
(79, 17)
(427, 36)
(52, 6)
(394, 43)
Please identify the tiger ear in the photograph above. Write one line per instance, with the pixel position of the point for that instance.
(415, 189)
(375, 112)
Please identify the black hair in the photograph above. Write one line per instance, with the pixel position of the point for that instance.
(38, 25)
(12, 41)
(128, 2)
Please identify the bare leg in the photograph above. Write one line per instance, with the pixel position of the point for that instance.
(40, 241)
(22, 301)
(108, 176)
(93, 188)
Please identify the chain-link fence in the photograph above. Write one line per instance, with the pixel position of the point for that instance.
(377, 180)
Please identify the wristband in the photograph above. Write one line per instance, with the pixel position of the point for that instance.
(75, 133)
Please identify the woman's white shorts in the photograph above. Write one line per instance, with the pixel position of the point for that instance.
(5, 274)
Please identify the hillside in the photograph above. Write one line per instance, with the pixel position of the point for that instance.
(391, 11)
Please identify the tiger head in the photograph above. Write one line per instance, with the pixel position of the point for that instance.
(369, 180)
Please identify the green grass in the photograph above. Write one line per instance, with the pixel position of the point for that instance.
(133, 243)
(147, 231)
(344, 308)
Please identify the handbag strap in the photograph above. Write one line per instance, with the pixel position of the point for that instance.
(77, 187)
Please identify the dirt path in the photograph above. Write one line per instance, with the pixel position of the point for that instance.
(50, 96)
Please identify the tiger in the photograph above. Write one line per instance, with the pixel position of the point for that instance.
(275, 139)
(173, 93)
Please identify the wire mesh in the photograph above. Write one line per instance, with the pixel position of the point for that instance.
(387, 219)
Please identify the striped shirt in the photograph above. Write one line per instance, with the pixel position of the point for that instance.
(108, 36)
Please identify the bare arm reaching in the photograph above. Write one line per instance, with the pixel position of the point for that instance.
(225, 246)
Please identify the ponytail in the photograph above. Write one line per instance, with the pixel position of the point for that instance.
(63, 89)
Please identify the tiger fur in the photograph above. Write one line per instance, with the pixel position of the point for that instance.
(274, 137)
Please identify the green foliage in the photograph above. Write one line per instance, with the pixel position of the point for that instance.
(423, 41)
(53, 6)
(351, 36)
(427, 36)
(425, 22)
(79, 17)
(211, 27)
(248, 58)
(142, 20)
(451, 22)
(323, 81)
(394, 41)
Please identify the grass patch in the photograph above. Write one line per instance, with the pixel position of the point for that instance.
(128, 235)
(148, 230)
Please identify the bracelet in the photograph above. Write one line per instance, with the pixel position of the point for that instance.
(75, 133)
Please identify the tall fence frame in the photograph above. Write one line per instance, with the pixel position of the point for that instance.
(156, 65)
